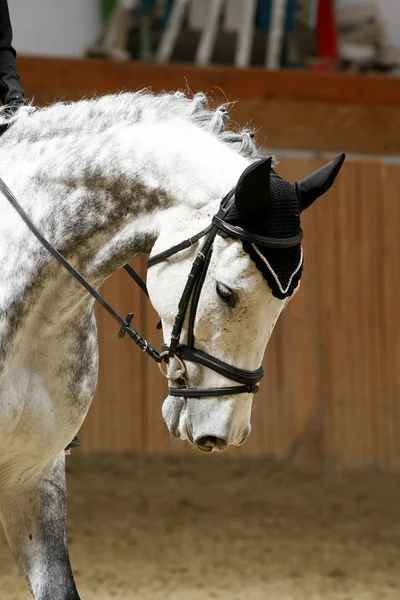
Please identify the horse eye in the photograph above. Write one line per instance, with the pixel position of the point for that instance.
(226, 294)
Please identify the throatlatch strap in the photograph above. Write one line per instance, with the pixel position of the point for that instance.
(136, 277)
(153, 260)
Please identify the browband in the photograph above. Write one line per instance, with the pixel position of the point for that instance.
(237, 232)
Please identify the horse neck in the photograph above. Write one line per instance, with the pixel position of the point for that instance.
(170, 171)
(80, 185)
(101, 200)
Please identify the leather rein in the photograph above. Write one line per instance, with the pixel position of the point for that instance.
(248, 380)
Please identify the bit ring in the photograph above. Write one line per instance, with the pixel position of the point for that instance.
(181, 371)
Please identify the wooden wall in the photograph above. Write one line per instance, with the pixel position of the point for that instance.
(331, 393)
(298, 110)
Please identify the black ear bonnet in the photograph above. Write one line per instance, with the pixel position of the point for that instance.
(267, 205)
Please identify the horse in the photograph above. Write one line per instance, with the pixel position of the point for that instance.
(105, 180)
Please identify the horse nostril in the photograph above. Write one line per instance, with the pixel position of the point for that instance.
(210, 443)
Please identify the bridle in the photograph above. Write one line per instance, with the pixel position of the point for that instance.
(192, 291)
(248, 380)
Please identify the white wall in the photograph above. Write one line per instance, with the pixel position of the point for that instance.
(54, 27)
(390, 14)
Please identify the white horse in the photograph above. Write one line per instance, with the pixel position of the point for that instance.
(106, 180)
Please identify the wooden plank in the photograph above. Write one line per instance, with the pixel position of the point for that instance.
(265, 425)
(356, 435)
(299, 86)
(341, 322)
(283, 117)
(300, 418)
(389, 286)
(317, 127)
(373, 448)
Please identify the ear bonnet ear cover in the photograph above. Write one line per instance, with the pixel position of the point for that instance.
(278, 217)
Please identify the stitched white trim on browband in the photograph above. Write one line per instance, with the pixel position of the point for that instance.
(273, 272)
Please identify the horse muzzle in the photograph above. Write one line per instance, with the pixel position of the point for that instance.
(210, 425)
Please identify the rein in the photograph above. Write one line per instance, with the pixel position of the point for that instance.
(248, 379)
(124, 323)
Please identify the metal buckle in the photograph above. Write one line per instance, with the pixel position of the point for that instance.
(178, 374)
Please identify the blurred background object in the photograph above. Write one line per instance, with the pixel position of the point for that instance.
(322, 34)
(357, 35)
(364, 44)
(56, 27)
(113, 40)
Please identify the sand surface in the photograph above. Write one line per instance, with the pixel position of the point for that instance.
(197, 528)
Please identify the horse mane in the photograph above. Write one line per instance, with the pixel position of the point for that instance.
(96, 115)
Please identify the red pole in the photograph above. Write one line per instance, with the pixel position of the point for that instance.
(326, 33)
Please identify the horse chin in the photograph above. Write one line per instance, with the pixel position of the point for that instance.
(172, 411)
